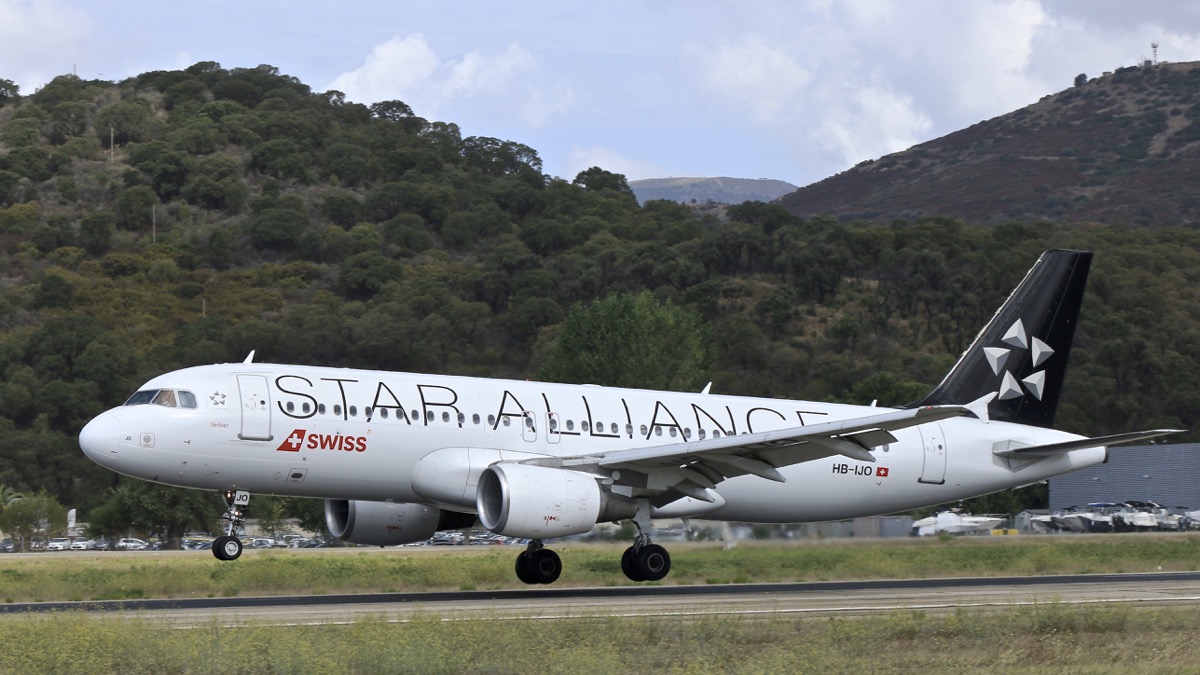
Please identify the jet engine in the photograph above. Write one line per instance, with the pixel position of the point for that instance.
(389, 524)
(537, 502)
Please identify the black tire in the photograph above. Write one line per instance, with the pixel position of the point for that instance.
(524, 569)
(629, 566)
(653, 562)
(227, 548)
(545, 566)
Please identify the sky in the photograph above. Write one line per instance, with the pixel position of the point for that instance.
(795, 90)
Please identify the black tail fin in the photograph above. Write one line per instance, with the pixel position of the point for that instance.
(1021, 355)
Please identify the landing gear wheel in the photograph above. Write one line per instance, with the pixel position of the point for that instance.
(524, 571)
(537, 565)
(227, 547)
(629, 565)
(545, 566)
(652, 562)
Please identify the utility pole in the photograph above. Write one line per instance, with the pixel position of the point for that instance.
(111, 135)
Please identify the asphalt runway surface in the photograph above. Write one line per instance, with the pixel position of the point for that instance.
(798, 600)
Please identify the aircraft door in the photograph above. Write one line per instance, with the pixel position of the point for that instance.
(933, 471)
(256, 408)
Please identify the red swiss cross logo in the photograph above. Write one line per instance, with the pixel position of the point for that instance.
(293, 442)
(881, 472)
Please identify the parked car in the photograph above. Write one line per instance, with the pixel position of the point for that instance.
(130, 544)
(58, 544)
(83, 545)
(6, 546)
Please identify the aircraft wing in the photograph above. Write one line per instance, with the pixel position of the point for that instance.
(668, 472)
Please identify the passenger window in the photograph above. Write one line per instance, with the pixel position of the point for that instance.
(428, 415)
(383, 413)
(305, 407)
(445, 416)
(337, 409)
(674, 432)
(187, 399)
(507, 421)
(615, 428)
(645, 432)
(354, 411)
(475, 418)
(584, 425)
(629, 429)
(291, 407)
(553, 424)
(570, 425)
(701, 434)
(461, 418)
(716, 433)
(491, 420)
(320, 408)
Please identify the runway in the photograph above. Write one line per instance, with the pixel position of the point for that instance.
(798, 600)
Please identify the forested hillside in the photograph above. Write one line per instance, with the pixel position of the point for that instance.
(189, 217)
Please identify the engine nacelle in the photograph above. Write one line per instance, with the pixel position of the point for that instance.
(389, 524)
(537, 502)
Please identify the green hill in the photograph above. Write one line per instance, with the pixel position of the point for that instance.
(188, 217)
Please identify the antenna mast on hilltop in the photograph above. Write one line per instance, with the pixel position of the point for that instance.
(1154, 49)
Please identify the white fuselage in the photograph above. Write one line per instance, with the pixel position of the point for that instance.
(360, 435)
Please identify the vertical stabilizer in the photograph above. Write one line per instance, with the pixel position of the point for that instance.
(1020, 357)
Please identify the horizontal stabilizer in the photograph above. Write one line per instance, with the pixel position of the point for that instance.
(1059, 448)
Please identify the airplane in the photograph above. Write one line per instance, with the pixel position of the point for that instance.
(398, 456)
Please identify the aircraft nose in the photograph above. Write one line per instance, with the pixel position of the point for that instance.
(100, 439)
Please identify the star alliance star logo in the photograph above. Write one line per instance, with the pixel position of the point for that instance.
(998, 356)
(217, 398)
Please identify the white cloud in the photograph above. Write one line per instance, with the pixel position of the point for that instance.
(41, 39)
(872, 121)
(581, 159)
(507, 83)
(765, 79)
(397, 67)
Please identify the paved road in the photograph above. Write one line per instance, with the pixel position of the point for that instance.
(748, 600)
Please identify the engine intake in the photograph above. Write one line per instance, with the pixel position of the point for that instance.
(389, 524)
(537, 502)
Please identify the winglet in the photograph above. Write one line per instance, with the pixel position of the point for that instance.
(249, 357)
(707, 388)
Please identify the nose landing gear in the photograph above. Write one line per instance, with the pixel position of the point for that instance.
(228, 546)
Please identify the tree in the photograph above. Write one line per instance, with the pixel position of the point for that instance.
(35, 517)
(152, 508)
(9, 92)
(1080, 79)
(631, 341)
(134, 208)
(96, 232)
(596, 179)
(124, 122)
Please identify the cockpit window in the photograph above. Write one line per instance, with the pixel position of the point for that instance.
(169, 398)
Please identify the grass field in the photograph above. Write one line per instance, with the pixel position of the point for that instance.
(1054, 637)
(45, 577)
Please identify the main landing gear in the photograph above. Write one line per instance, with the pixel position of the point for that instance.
(644, 561)
(537, 564)
(228, 546)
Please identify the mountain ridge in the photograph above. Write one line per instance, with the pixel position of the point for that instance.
(1117, 149)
